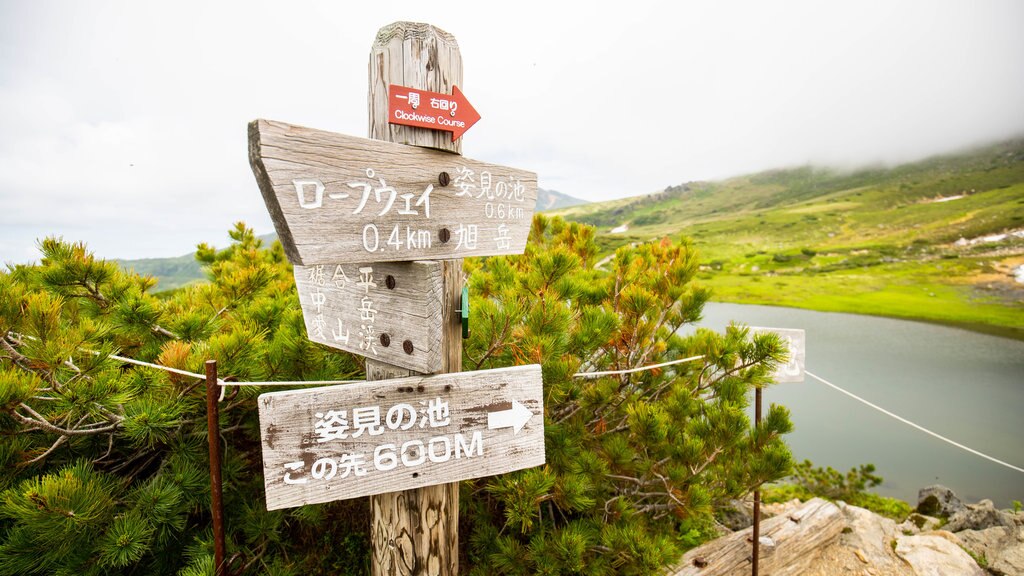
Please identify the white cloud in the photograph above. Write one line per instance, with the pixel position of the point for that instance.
(123, 123)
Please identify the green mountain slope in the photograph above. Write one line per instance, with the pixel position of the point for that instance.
(904, 241)
(171, 273)
(552, 200)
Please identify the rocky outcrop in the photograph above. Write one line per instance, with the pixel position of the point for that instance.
(818, 538)
(936, 554)
(790, 544)
(979, 517)
(993, 537)
(999, 548)
(938, 500)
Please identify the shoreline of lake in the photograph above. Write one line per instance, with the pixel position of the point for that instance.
(977, 327)
(963, 385)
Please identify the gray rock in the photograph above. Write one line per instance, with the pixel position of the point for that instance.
(737, 515)
(1001, 547)
(938, 500)
(918, 523)
(1010, 560)
(989, 543)
(979, 517)
(869, 535)
(936, 554)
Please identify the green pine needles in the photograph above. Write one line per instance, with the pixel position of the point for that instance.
(636, 463)
(105, 463)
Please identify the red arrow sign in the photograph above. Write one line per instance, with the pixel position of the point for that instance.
(433, 110)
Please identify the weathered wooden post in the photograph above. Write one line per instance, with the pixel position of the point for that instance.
(793, 371)
(417, 531)
(376, 231)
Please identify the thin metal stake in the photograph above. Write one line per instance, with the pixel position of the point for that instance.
(213, 431)
(757, 493)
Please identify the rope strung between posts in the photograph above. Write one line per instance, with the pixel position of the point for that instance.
(909, 423)
(222, 383)
(631, 370)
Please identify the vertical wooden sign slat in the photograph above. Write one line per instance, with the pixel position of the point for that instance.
(374, 309)
(417, 531)
(415, 55)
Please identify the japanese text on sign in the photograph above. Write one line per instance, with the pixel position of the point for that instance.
(342, 423)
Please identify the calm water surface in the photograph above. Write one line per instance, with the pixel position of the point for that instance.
(968, 387)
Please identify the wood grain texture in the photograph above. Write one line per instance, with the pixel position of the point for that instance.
(373, 309)
(423, 520)
(341, 199)
(797, 538)
(311, 456)
(418, 56)
(415, 531)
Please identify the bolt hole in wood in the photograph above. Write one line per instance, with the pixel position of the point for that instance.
(407, 346)
(415, 474)
(444, 179)
(385, 340)
(444, 235)
(390, 282)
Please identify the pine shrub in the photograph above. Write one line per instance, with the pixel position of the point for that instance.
(105, 463)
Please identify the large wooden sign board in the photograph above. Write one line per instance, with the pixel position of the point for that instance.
(793, 371)
(389, 312)
(337, 199)
(338, 442)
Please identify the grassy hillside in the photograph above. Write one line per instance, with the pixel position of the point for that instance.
(875, 241)
(171, 273)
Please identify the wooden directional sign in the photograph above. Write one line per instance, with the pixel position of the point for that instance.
(339, 442)
(793, 371)
(433, 110)
(390, 312)
(338, 199)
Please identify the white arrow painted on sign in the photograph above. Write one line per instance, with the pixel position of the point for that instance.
(515, 418)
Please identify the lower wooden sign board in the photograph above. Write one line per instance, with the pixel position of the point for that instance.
(390, 312)
(338, 442)
(792, 371)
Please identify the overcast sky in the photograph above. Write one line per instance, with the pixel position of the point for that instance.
(123, 124)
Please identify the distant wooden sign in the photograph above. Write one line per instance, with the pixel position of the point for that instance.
(792, 371)
(390, 312)
(337, 199)
(339, 442)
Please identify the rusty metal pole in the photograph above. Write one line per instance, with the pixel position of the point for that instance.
(757, 493)
(213, 432)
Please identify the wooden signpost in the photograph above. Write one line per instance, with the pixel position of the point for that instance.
(339, 442)
(376, 230)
